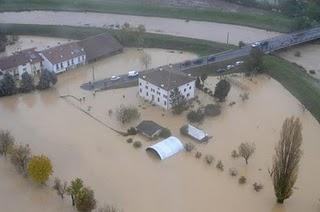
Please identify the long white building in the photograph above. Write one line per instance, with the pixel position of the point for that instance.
(63, 57)
(156, 86)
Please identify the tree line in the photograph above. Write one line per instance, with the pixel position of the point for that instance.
(39, 168)
(9, 86)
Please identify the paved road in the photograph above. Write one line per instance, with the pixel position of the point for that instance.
(267, 46)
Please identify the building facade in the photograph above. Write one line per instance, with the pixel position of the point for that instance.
(156, 86)
(27, 60)
(63, 57)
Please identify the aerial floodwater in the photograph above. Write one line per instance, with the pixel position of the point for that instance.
(129, 178)
(179, 27)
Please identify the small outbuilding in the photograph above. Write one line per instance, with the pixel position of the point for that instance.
(149, 129)
(167, 147)
(194, 133)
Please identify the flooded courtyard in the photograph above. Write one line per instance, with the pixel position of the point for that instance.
(132, 180)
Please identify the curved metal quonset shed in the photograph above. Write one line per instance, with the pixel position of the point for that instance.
(167, 147)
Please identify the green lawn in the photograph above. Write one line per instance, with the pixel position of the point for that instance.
(294, 78)
(269, 21)
(200, 47)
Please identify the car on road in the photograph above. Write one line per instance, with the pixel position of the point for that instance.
(211, 58)
(186, 63)
(239, 62)
(256, 44)
(133, 74)
(230, 67)
(198, 61)
(220, 70)
(115, 78)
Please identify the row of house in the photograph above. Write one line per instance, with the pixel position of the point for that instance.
(62, 57)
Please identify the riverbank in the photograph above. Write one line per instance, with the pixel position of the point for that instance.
(269, 21)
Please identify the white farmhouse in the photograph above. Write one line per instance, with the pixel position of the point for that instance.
(156, 86)
(27, 60)
(63, 57)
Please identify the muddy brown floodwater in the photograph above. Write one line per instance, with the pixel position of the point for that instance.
(132, 180)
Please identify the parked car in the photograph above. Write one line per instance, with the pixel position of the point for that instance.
(186, 63)
(220, 70)
(198, 61)
(230, 67)
(114, 78)
(239, 62)
(133, 73)
(256, 44)
(211, 58)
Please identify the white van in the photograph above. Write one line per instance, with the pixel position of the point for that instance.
(133, 73)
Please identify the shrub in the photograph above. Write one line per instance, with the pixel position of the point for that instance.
(195, 116)
(220, 165)
(257, 186)
(297, 54)
(198, 155)
(242, 180)
(137, 144)
(209, 159)
(244, 96)
(212, 110)
(234, 154)
(189, 147)
(184, 130)
(126, 114)
(312, 72)
(39, 168)
(165, 133)
(241, 44)
(233, 172)
(222, 89)
(132, 131)
(129, 140)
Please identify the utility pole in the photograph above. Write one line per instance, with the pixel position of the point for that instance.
(93, 77)
(228, 38)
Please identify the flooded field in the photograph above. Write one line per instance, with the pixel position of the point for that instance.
(132, 180)
(309, 57)
(194, 29)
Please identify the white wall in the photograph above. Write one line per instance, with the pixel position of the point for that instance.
(161, 97)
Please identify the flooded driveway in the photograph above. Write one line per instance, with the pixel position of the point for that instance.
(193, 29)
(128, 178)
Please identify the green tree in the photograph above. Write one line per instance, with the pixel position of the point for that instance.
(74, 189)
(85, 201)
(285, 167)
(6, 142)
(8, 85)
(47, 79)
(126, 114)
(254, 62)
(20, 157)
(222, 89)
(39, 168)
(195, 116)
(177, 101)
(26, 84)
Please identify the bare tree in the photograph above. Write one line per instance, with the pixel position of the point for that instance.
(146, 60)
(6, 142)
(20, 157)
(285, 167)
(246, 150)
(59, 187)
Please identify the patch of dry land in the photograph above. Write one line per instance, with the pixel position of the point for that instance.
(308, 58)
(132, 180)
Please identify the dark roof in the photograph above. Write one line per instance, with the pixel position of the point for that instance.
(63, 52)
(166, 79)
(148, 128)
(100, 46)
(20, 58)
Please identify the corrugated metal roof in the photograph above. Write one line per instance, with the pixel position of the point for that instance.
(167, 147)
(196, 133)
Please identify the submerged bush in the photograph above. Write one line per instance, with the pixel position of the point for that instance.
(220, 165)
(233, 172)
(212, 110)
(126, 114)
(137, 144)
(234, 154)
(242, 180)
(189, 147)
(257, 186)
(165, 133)
(195, 116)
(132, 131)
(129, 140)
(209, 159)
(198, 155)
